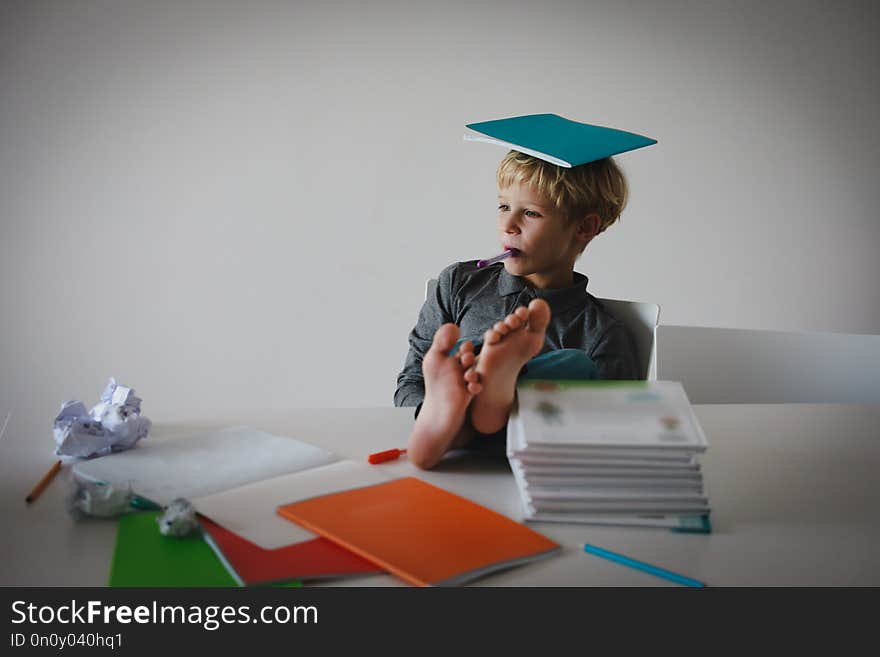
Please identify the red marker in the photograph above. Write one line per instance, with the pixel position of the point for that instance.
(387, 455)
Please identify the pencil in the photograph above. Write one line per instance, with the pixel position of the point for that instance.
(641, 565)
(45, 481)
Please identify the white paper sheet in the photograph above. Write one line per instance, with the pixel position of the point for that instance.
(163, 469)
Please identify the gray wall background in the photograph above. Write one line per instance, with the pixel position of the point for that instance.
(236, 205)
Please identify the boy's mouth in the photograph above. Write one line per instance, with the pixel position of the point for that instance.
(514, 252)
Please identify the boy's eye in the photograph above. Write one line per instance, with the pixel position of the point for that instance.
(529, 213)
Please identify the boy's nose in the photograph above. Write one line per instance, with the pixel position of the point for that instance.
(509, 224)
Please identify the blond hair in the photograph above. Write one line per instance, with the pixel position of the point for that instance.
(596, 187)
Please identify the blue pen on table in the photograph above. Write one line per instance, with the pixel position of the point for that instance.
(641, 565)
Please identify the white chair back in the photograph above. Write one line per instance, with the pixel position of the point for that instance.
(746, 366)
(640, 319)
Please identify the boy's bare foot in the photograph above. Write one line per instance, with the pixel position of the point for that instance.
(507, 346)
(450, 384)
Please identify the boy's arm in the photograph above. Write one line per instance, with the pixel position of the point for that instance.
(410, 382)
(436, 311)
(615, 355)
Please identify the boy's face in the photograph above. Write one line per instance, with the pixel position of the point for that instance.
(548, 243)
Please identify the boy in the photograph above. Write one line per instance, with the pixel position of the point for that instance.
(530, 303)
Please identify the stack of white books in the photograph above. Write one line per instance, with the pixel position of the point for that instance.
(608, 452)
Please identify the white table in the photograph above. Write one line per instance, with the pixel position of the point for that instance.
(793, 489)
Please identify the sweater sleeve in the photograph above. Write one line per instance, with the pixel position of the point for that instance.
(436, 311)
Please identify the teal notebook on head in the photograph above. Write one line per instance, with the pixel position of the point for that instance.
(145, 558)
(557, 140)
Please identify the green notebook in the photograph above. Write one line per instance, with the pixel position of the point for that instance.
(145, 558)
(557, 140)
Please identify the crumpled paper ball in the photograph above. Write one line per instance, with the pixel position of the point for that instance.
(179, 519)
(113, 425)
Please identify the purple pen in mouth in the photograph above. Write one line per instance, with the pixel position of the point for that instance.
(499, 257)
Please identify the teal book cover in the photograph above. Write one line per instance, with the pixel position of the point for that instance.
(556, 139)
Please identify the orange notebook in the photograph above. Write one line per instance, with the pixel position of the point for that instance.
(424, 534)
(250, 564)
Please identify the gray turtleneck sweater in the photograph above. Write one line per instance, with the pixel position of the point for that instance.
(475, 299)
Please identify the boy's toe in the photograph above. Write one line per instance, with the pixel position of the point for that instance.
(539, 315)
(513, 321)
(445, 337)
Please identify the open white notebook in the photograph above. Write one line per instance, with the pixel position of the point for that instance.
(191, 466)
